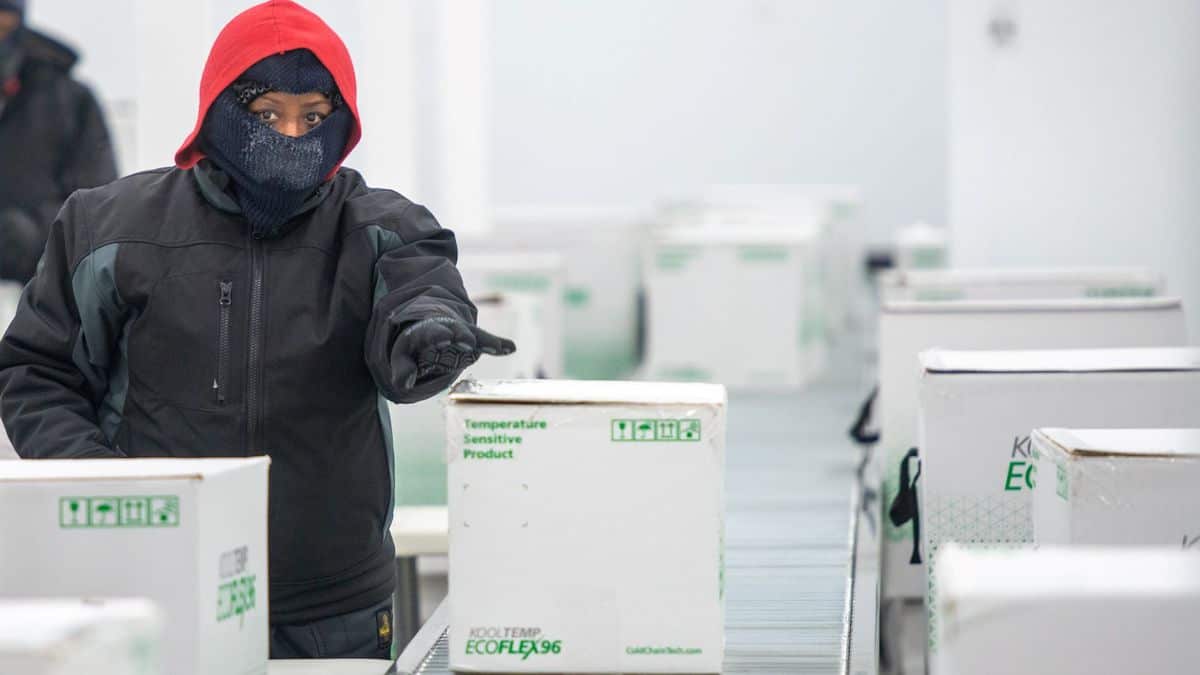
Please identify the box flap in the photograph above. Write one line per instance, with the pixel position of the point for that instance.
(570, 392)
(1019, 276)
(120, 469)
(1030, 306)
(1160, 443)
(948, 361)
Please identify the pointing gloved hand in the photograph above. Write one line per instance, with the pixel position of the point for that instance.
(441, 346)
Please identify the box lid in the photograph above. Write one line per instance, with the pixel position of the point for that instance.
(1161, 443)
(1030, 306)
(32, 625)
(571, 392)
(949, 361)
(1032, 574)
(121, 469)
(1018, 276)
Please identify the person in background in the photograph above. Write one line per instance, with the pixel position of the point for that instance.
(254, 299)
(53, 140)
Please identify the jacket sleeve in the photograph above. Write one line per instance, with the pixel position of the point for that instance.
(49, 385)
(415, 278)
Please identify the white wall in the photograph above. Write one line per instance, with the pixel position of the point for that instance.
(620, 102)
(625, 101)
(1079, 143)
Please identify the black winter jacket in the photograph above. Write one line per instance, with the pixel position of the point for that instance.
(52, 142)
(157, 327)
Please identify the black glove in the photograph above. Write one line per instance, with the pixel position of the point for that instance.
(439, 347)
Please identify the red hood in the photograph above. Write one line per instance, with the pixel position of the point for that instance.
(274, 27)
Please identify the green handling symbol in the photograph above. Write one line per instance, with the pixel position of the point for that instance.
(644, 431)
(689, 430)
(668, 430)
(164, 511)
(104, 512)
(73, 512)
(135, 512)
(622, 430)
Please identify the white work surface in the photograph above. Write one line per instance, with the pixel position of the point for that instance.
(421, 530)
(328, 667)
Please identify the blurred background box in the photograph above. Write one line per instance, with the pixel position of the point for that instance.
(74, 636)
(1077, 611)
(1019, 284)
(540, 277)
(601, 248)
(728, 305)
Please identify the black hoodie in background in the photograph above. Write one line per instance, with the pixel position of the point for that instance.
(53, 141)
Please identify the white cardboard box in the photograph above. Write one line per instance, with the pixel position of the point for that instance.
(586, 527)
(190, 535)
(837, 211)
(922, 246)
(1018, 284)
(705, 288)
(979, 408)
(908, 328)
(540, 278)
(70, 637)
(1120, 487)
(419, 429)
(601, 248)
(1076, 611)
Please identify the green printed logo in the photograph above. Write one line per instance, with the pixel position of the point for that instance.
(1062, 486)
(117, 512)
(522, 642)
(236, 598)
(655, 431)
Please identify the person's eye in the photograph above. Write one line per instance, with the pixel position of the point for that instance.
(267, 116)
(315, 118)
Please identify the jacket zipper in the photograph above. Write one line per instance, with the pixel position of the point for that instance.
(254, 379)
(222, 379)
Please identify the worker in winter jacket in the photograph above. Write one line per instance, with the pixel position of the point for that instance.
(52, 139)
(254, 299)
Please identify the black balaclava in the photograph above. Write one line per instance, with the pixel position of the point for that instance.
(273, 175)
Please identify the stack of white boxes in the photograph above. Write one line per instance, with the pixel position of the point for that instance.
(69, 637)
(1073, 611)
(733, 305)
(189, 535)
(977, 411)
(908, 328)
(586, 527)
